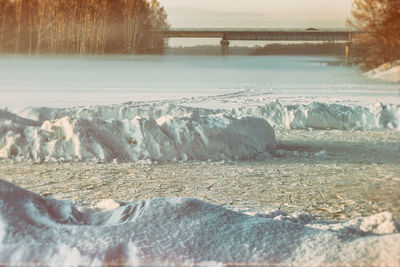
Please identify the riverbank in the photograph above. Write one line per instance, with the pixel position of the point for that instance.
(387, 72)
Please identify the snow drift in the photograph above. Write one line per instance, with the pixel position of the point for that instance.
(326, 116)
(190, 137)
(388, 72)
(41, 230)
(166, 132)
(297, 116)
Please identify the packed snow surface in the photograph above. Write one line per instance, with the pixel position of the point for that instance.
(41, 230)
(388, 72)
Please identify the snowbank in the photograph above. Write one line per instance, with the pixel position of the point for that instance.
(132, 132)
(326, 116)
(113, 112)
(40, 230)
(298, 116)
(126, 138)
(388, 72)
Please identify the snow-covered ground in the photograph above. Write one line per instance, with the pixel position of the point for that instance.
(387, 72)
(173, 109)
(37, 230)
(88, 81)
(180, 108)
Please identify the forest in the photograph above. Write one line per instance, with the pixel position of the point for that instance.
(81, 27)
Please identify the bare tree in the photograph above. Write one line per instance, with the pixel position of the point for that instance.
(134, 13)
(18, 21)
(4, 10)
(159, 23)
(80, 27)
(379, 22)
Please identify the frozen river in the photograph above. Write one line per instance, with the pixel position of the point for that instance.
(66, 82)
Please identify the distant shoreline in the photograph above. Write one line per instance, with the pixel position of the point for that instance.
(303, 49)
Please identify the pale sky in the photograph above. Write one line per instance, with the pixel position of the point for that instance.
(255, 14)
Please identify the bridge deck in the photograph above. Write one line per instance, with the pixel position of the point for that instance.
(263, 34)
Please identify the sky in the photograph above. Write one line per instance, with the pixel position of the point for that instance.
(257, 13)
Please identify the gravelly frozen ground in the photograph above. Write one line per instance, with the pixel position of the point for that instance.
(330, 174)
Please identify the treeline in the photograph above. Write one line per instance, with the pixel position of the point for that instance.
(379, 22)
(81, 26)
(336, 49)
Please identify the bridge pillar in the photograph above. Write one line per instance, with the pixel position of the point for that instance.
(348, 51)
(348, 47)
(224, 47)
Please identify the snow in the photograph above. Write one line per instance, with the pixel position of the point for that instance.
(107, 204)
(319, 115)
(167, 132)
(210, 81)
(182, 109)
(387, 72)
(34, 229)
(86, 137)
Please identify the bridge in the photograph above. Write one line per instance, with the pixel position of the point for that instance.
(226, 35)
